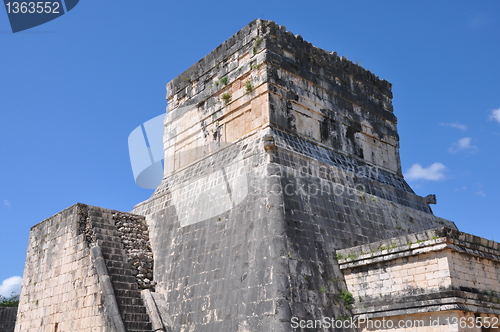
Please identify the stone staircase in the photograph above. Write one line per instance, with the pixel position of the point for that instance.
(127, 292)
(7, 319)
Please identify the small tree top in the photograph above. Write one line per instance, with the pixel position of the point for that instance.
(11, 301)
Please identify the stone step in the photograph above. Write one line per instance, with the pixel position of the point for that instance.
(127, 293)
(117, 264)
(138, 327)
(102, 225)
(121, 270)
(112, 252)
(126, 283)
(107, 241)
(113, 257)
(134, 313)
(130, 301)
(108, 231)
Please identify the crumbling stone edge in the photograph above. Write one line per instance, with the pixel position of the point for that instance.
(134, 236)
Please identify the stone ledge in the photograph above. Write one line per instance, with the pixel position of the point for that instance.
(443, 301)
(418, 243)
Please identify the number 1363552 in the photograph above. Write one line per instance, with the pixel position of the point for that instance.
(47, 7)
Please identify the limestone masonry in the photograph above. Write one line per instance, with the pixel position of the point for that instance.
(282, 203)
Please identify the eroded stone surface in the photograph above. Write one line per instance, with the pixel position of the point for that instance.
(277, 154)
(441, 272)
(134, 236)
(61, 289)
(279, 157)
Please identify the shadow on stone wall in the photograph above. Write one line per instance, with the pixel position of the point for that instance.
(8, 319)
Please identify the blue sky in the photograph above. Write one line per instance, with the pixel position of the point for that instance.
(73, 89)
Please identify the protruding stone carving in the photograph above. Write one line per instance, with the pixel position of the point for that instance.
(269, 144)
(431, 199)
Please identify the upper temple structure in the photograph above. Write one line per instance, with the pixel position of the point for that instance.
(283, 207)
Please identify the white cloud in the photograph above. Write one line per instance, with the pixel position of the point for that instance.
(462, 144)
(455, 125)
(495, 115)
(6, 202)
(481, 193)
(11, 285)
(434, 172)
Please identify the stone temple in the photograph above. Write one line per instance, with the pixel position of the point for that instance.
(283, 208)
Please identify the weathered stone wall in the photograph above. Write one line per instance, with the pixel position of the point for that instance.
(330, 100)
(134, 235)
(7, 319)
(475, 272)
(268, 74)
(219, 273)
(442, 272)
(67, 287)
(279, 158)
(429, 272)
(398, 268)
(60, 290)
(276, 155)
(215, 102)
(125, 252)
